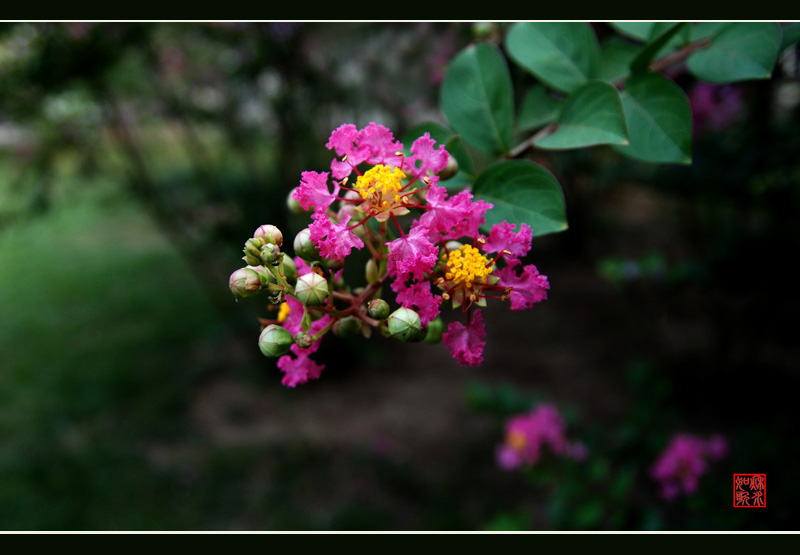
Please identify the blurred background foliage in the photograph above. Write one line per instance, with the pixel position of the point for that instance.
(136, 158)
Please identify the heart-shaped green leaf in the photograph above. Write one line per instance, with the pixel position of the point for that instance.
(522, 192)
(738, 51)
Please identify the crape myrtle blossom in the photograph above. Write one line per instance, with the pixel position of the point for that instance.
(424, 244)
(680, 466)
(530, 434)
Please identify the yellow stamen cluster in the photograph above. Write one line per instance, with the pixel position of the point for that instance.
(467, 265)
(381, 182)
(516, 440)
(283, 313)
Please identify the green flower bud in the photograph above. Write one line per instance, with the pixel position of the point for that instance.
(405, 325)
(269, 234)
(270, 254)
(311, 289)
(252, 251)
(371, 271)
(244, 282)
(293, 205)
(347, 326)
(435, 330)
(275, 341)
(378, 309)
(303, 340)
(304, 246)
(450, 169)
(289, 269)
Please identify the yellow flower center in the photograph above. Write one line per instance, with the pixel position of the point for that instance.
(516, 440)
(467, 265)
(283, 313)
(379, 183)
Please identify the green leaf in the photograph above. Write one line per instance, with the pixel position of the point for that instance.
(666, 35)
(791, 35)
(562, 55)
(305, 323)
(592, 115)
(616, 56)
(701, 31)
(738, 51)
(522, 192)
(444, 136)
(659, 120)
(639, 30)
(477, 99)
(537, 110)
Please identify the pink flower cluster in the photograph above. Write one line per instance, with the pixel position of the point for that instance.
(527, 434)
(685, 459)
(372, 179)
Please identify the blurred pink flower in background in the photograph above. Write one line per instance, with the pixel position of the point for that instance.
(714, 107)
(527, 434)
(679, 467)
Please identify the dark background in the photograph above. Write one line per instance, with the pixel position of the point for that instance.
(135, 159)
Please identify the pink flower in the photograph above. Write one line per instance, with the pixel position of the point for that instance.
(300, 369)
(466, 342)
(333, 240)
(313, 192)
(714, 107)
(503, 238)
(412, 254)
(452, 217)
(527, 434)
(431, 160)
(682, 463)
(418, 296)
(373, 144)
(527, 288)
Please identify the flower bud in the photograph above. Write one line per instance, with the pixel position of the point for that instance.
(275, 341)
(311, 289)
(289, 269)
(303, 340)
(244, 282)
(347, 326)
(450, 169)
(371, 271)
(270, 235)
(405, 325)
(332, 264)
(270, 254)
(435, 331)
(378, 309)
(304, 246)
(293, 204)
(252, 251)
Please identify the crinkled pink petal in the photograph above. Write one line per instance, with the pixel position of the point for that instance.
(344, 140)
(503, 238)
(412, 254)
(313, 191)
(425, 158)
(527, 289)
(466, 342)
(452, 217)
(418, 296)
(333, 240)
(299, 370)
(380, 144)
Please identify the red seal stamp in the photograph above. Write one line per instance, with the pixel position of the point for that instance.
(749, 490)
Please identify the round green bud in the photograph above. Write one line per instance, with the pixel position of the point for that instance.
(244, 282)
(270, 254)
(269, 234)
(293, 204)
(378, 309)
(275, 341)
(304, 246)
(252, 251)
(303, 340)
(311, 289)
(405, 325)
(371, 271)
(450, 169)
(289, 269)
(435, 331)
(347, 326)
